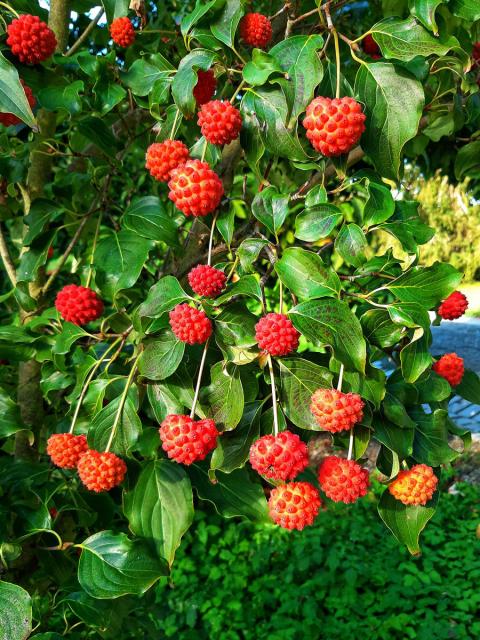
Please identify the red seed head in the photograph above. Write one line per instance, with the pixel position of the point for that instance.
(454, 306)
(79, 305)
(30, 39)
(65, 449)
(122, 32)
(280, 457)
(195, 189)
(294, 505)
(189, 324)
(342, 480)
(207, 281)
(336, 411)
(101, 471)
(163, 157)
(8, 119)
(451, 367)
(205, 87)
(185, 440)
(276, 334)
(220, 121)
(256, 30)
(370, 46)
(414, 486)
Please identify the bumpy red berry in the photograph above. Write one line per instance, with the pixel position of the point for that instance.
(280, 457)
(30, 39)
(336, 411)
(454, 306)
(334, 126)
(101, 471)
(370, 46)
(256, 30)
(219, 121)
(342, 480)
(79, 305)
(8, 119)
(205, 87)
(122, 32)
(65, 449)
(185, 440)
(414, 486)
(189, 324)
(294, 505)
(451, 367)
(163, 157)
(195, 189)
(476, 53)
(276, 334)
(207, 281)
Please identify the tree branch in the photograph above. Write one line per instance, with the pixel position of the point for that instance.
(81, 39)
(6, 259)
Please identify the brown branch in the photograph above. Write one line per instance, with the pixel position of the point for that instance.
(6, 258)
(81, 39)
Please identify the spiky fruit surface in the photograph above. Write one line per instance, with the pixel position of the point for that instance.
(205, 87)
(122, 32)
(219, 121)
(454, 306)
(8, 119)
(256, 30)
(195, 188)
(334, 126)
(79, 305)
(101, 471)
(414, 486)
(451, 367)
(276, 334)
(336, 411)
(294, 505)
(65, 449)
(30, 39)
(370, 46)
(280, 457)
(342, 480)
(163, 157)
(189, 324)
(185, 440)
(207, 281)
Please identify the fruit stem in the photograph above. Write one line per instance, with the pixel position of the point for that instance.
(234, 266)
(210, 241)
(274, 396)
(237, 90)
(340, 378)
(350, 445)
(204, 150)
(199, 380)
(11, 9)
(175, 120)
(123, 399)
(280, 286)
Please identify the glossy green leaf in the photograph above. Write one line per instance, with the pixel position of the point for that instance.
(225, 26)
(147, 217)
(469, 387)
(415, 357)
(200, 10)
(10, 420)
(351, 244)
(162, 297)
(235, 334)
(466, 9)
(427, 286)
(379, 206)
(143, 75)
(186, 78)
(126, 434)
(467, 161)
(430, 444)
(233, 448)
(306, 275)
(270, 208)
(161, 356)
(16, 608)
(224, 396)
(317, 222)
(12, 94)
(259, 69)
(424, 10)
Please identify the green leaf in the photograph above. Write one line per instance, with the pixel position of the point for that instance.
(424, 10)
(186, 78)
(298, 57)
(162, 297)
(415, 357)
(246, 286)
(467, 161)
(466, 9)
(332, 323)
(317, 222)
(172, 395)
(306, 275)
(407, 226)
(161, 356)
(299, 379)
(394, 101)
(89, 610)
(67, 337)
(248, 252)
(232, 494)
(99, 134)
(379, 329)
(16, 608)
(10, 420)
(144, 73)
(62, 94)
(12, 94)
(225, 26)
(115, 8)
(398, 440)
(434, 389)
(224, 396)
(427, 286)
(380, 205)
(406, 522)
(258, 70)
(147, 217)
(235, 334)
(271, 208)
(160, 506)
(233, 448)
(201, 8)
(469, 387)
(41, 213)
(395, 411)
(127, 432)
(119, 260)
(111, 565)
(351, 244)
(406, 39)
(430, 444)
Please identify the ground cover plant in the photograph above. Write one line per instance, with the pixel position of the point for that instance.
(189, 200)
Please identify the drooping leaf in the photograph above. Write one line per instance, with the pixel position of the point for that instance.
(224, 396)
(127, 431)
(161, 356)
(186, 78)
(271, 208)
(306, 275)
(424, 10)
(12, 94)
(225, 26)
(430, 444)
(233, 448)
(147, 217)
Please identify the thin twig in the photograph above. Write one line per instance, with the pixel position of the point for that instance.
(6, 259)
(121, 405)
(199, 380)
(85, 34)
(274, 396)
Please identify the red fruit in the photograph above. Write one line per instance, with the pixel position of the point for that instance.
(122, 32)
(205, 87)
(336, 411)
(195, 189)
(207, 281)
(8, 119)
(276, 335)
(185, 440)
(256, 30)
(220, 121)
(476, 52)
(453, 307)
(30, 39)
(79, 305)
(450, 366)
(414, 486)
(370, 46)
(189, 324)
(280, 457)
(65, 449)
(294, 505)
(342, 480)
(163, 157)
(50, 253)
(101, 471)
(334, 126)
